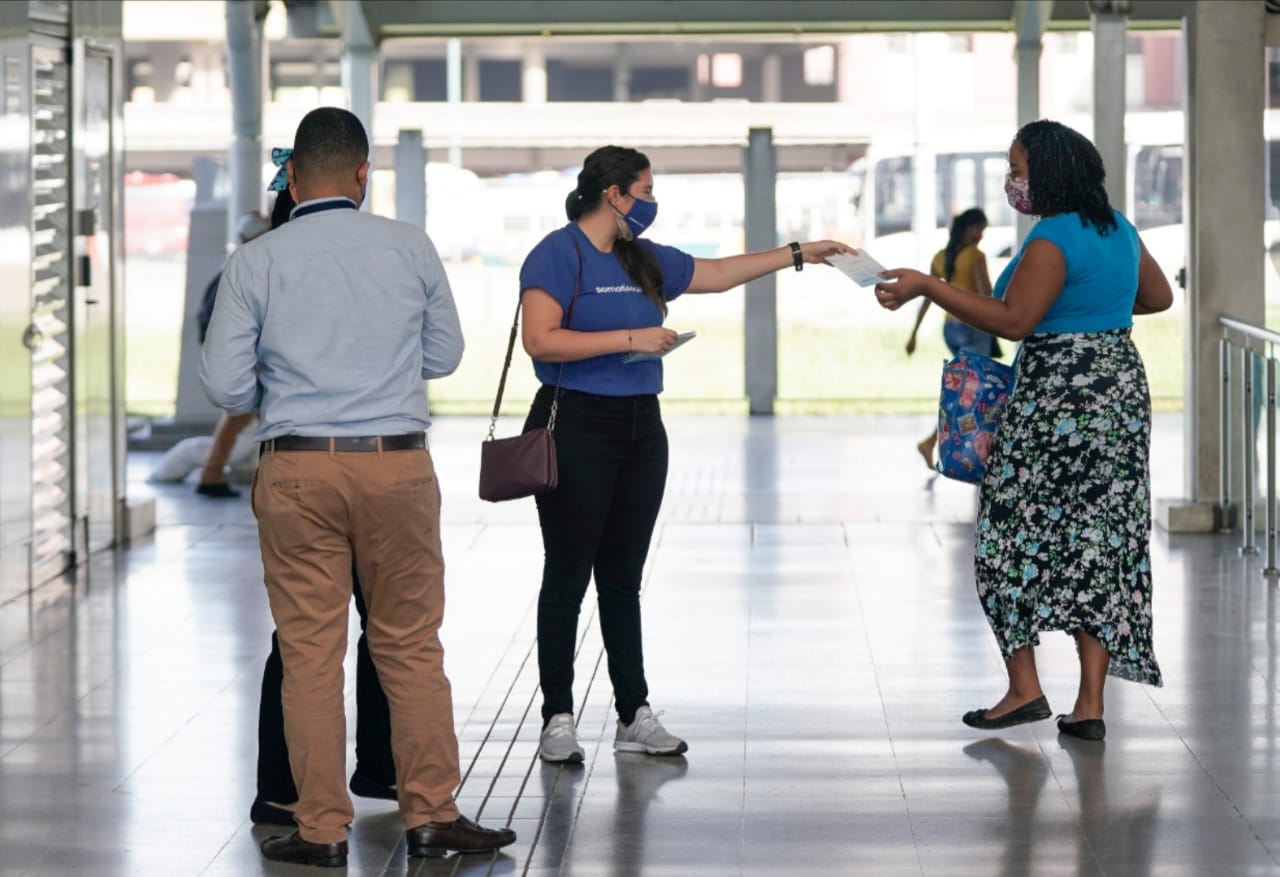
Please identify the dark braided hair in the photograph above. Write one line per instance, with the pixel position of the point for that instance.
(961, 224)
(620, 166)
(282, 209)
(1066, 174)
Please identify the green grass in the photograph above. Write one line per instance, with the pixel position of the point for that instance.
(821, 370)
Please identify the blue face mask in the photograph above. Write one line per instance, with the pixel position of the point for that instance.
(641, 215)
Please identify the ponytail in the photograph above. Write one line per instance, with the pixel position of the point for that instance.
(609, 166)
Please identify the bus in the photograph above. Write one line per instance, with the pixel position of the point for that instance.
(972, 174)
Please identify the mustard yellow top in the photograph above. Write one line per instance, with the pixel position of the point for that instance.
(966, 260)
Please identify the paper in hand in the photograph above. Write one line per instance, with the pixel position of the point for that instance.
(861, 269)
(645, 357)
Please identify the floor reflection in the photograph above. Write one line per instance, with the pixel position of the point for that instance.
(1110, 838)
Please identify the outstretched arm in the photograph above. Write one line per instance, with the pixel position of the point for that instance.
(719, 275)
(1032, 290)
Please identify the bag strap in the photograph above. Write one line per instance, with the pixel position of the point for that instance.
(511, 344)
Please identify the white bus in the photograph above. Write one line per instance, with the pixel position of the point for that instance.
(971, 174)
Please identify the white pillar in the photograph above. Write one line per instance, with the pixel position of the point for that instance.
(411, 179)
(533, 75)
(453, 93)
(926, 49)
(771, 78)
(622, 74)
(471, 77)
(1110, 37)
(760, 169)
(359, 67)
(1226, 99)
(245, 61)
(1030, 16)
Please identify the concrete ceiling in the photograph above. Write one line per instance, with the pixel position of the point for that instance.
(389, 19)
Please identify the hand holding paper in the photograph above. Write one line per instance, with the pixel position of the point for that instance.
(648, 357)
(860, 268)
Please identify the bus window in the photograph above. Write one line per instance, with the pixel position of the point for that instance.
(994, 170)
(957, 187)
(1157, 186)
(895, 199)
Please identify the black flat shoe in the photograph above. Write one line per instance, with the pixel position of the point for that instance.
(1085, 729)
(1031, 711)
(292, 848)
(365, 787)
(217, 490)
(265, 813)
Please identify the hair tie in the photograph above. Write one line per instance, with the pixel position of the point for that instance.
(280, 181)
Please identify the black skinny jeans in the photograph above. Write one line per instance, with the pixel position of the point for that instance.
(611, 452)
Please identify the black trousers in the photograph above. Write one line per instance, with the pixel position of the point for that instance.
(612, 457)
(373, 721)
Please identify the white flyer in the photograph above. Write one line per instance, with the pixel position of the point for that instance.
(861, 269)
(649, 357)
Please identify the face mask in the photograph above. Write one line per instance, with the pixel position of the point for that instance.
(639, 217)
(1018, 191)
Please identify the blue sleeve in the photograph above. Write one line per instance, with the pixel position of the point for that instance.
(1062, 231)
(551, 266)
(676, 265)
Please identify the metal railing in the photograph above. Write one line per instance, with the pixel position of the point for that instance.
(1254, 348)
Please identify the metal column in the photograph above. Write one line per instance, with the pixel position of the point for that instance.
(1110, 37)
(245, 59)
(411, 179)
(760, 167)
(1029, 17)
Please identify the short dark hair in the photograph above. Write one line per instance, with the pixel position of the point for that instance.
(329, 142)
(1066, 174)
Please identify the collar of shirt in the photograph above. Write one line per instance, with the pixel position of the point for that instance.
(317, 205)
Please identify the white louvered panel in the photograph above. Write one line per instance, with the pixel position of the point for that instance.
(50, 374)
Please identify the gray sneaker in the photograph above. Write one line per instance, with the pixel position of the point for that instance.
(559, 741)
(646, 734)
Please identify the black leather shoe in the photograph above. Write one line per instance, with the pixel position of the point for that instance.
(461, 835)
(365, 787)
(292, 848)
(1085, 729)
(217, 490)
(1031, 711)
(265, 813)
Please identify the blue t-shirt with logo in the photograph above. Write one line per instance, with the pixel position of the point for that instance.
(1102, 274)
(608, 299)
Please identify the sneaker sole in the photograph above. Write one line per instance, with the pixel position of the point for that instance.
(571, 758)
(647, 750)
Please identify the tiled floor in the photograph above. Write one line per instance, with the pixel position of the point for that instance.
(811, 629)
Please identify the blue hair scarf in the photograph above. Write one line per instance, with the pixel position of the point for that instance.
(280, 181)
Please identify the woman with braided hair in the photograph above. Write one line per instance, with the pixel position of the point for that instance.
(1064, 514)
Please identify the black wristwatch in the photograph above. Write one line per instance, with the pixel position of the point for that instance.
(797, 255)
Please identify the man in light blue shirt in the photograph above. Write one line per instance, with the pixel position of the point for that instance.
(327, 327)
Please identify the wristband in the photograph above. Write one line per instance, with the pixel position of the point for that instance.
(797, 256)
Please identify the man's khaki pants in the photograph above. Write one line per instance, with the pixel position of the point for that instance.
(315, 508)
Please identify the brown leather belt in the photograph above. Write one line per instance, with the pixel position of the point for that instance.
(367, 443)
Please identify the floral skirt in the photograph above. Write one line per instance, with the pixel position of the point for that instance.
(1064, 518)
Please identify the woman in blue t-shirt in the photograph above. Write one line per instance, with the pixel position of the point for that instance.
(592, 294)
(1064, 520)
